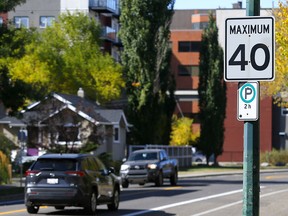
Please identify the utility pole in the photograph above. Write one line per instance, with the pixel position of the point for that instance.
(251, 185)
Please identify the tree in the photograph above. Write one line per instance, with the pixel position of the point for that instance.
(146, 57)
(8, 5)
(12, 43)
(212, 92)
(182, 132)
(278, 88)
(67, 56)
(4, 171)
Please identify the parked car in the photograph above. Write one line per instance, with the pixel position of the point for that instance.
(62, 180)
(149, 165)
(198, 157)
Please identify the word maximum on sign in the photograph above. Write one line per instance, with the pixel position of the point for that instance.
(249, 49)
(249, 29)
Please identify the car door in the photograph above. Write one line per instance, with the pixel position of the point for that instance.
(166, 165)
(105, 178)
(95, 176)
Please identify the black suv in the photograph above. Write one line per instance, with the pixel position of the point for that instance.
(61, 180)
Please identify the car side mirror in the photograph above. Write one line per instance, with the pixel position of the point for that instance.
(124, 160)
(111, 170)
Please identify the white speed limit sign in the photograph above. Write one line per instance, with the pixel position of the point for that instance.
(249, 49)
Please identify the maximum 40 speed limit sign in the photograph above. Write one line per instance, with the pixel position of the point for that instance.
(249, 49)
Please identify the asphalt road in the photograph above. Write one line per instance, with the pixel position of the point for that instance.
(193, 196)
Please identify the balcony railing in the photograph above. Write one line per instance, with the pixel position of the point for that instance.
(110, 34)
(109, 5)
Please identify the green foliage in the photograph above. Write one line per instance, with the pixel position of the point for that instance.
(274, 157)
(12, 42)
(182, 132)
(8, 5)
(145, 36)
(4, 171)
(6, 145)
(212, 92)
(67, 56)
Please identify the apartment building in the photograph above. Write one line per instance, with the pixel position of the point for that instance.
(40, 14)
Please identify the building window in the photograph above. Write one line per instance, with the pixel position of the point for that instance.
(284, 111)
(68, 134)
(116, 134)
(188, 70)
(46, 21)
(199, 25)
(21, 22)
(189, 46)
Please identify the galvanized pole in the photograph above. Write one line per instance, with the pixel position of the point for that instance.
(251, 186)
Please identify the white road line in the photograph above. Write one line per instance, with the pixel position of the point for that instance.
(219, 208)
(184, 203)
(236, 203)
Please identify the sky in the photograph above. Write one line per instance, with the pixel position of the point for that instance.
(213, 4)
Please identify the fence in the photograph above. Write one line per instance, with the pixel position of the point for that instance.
(182, 153)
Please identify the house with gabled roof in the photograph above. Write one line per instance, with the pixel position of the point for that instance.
(71, 121)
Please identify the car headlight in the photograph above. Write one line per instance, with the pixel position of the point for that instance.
(124, 167)
(152, 166)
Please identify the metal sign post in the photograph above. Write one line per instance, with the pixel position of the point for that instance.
(251, 179)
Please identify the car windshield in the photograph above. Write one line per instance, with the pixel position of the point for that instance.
(143, 156)
(55, 165)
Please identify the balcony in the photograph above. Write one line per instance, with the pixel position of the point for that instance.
(105, 6)
(110, 34)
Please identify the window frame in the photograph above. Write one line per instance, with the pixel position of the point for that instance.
(116, 134)
(189, 46)
(47, 22)
(18, 21)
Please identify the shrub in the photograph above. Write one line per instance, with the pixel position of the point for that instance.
(4, 170)
(274, 157)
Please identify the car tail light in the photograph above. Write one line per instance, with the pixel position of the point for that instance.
(31, 172)
(75, 173)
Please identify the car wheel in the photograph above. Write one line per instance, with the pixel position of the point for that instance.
(174, 178)
(59, 207)
(115, 204)
(92, 207)
(32, 209)
(159, 180)
(125, 184)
